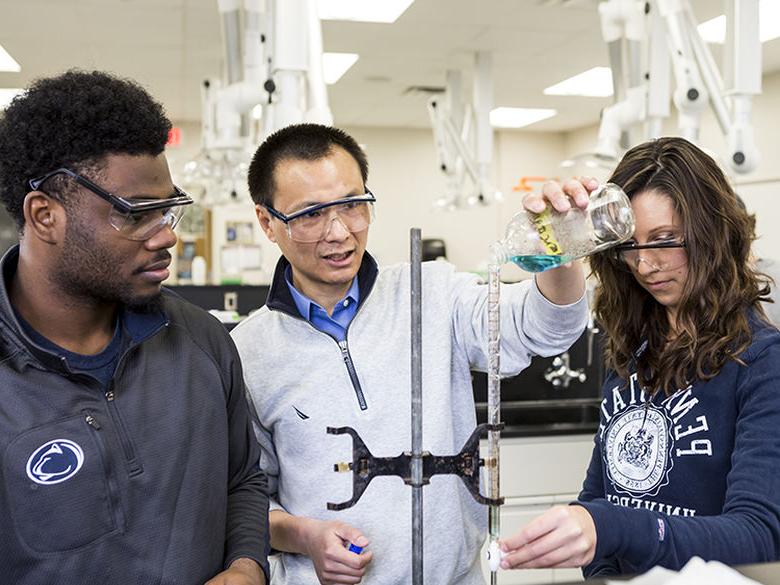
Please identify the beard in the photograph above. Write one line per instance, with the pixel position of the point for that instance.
(92, 272)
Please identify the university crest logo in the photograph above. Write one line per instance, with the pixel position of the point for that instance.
(637, 450)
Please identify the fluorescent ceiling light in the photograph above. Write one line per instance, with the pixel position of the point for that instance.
(596, 82)
(8, 63)
(6, 95)
(334, 65)
(518, 117)
(714, 30)
(363, 10)
(768, 20)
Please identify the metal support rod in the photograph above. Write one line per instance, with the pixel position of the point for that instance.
(417, 461)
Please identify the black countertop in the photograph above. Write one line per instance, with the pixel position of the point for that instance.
(541, 418)
(549, 430)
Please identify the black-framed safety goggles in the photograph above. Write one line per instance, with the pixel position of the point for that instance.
(311, 224)
(134, 219)
(121, 203)
(665, 257)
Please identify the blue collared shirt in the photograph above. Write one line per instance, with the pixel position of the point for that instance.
(343, 313)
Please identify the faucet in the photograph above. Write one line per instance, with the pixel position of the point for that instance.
(560, 374)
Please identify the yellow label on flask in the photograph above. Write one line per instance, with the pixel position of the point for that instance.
(542, 224)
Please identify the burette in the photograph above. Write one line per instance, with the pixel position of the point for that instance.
(493, 413)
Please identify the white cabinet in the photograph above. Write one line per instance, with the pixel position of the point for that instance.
(536, 473)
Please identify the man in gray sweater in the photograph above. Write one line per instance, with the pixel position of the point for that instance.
(331, 348)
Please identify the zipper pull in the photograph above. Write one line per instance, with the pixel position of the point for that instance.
(110, 395)
(92, 422)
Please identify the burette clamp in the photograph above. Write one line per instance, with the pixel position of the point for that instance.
(365, 467)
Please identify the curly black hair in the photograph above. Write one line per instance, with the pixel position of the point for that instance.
(74, 120)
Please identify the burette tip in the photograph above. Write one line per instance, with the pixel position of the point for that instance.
(494, 555)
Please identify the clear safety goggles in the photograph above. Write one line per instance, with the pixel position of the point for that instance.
(137, 218)
(660, 255)
(313, 223)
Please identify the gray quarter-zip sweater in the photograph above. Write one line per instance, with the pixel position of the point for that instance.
(302, 380)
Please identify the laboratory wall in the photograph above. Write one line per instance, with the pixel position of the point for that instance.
(404, 176)
(759, 189)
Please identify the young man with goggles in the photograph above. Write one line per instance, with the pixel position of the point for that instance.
(127, 441)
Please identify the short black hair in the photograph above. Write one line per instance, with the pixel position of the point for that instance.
(74, 120)
(297, 142)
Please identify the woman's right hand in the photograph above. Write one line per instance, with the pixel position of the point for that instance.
(563, 536)
(561, 196)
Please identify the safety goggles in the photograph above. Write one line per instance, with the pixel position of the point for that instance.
(661, 255)
(313, 223)
(134, 218)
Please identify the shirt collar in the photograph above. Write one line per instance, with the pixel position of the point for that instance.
(305, 305)
(139, 326)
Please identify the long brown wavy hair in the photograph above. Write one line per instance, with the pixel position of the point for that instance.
(722, 287)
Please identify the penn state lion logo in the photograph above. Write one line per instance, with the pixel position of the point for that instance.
(637, 450)
(55, 461)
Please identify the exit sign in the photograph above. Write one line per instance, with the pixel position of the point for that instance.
(174, 137)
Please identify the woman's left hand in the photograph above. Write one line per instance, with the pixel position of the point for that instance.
(563, 536)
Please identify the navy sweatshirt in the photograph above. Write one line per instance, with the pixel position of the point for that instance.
(693, 474)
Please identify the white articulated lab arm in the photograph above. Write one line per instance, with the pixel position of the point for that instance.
(743, 81)
(450, 143)
(297, 84)
(273, 66)
(693, 64)
(279, 68)
(463, 137)
(483, 131)
(658, 78)
(691, 95)
(229, 103)
(623, 29)
(670, 32)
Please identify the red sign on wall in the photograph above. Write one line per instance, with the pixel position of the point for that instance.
(174, 137)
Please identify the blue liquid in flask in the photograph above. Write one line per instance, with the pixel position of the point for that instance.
(539, 263)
